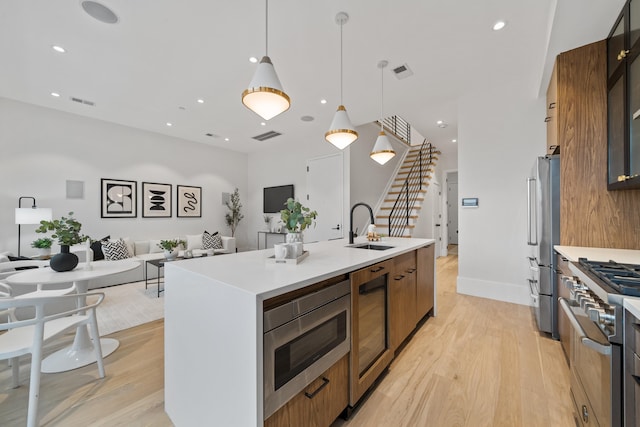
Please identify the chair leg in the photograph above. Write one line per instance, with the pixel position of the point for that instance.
(15, 372)
(34, 386)
(93, 323)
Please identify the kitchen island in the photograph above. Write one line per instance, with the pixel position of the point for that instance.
(214, 324)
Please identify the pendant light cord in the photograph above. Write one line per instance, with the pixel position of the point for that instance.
(341, 56)
(381, 98)
(266, 29)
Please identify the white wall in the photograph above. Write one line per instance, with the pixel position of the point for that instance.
(42, 148)
(501, 131)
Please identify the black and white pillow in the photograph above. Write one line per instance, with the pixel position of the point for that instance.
(96, 247)
(115, 250)
(211, 241)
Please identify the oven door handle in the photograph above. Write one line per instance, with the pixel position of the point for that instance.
(584, 339)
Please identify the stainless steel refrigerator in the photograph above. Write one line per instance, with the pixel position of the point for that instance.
(543, 231)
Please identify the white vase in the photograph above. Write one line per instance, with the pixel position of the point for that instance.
(293, 237)
(172, 254)
(44, 252)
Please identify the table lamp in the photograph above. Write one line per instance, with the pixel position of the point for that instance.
(32, 215)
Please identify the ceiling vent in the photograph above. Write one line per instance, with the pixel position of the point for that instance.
(212, 135)
(402, 71)
(267, 135)
(82, 101)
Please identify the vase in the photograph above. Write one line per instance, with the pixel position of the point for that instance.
(293, 237)
(64, 261)
(44, 252)
(172, 254)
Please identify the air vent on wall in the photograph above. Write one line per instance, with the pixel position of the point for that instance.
(82, 101)
(402, 71)
(267, 135)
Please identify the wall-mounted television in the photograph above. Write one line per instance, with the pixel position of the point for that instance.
(275, 197)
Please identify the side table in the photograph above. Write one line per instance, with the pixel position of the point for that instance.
(159, 265)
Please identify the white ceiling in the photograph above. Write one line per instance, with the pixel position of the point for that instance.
(152, 66)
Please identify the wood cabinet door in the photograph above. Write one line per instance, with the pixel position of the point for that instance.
(425, 280)
(552, 108)
(402, 298)
(319, 404)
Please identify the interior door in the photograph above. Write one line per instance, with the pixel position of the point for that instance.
(452, 208)
(437, 217)
(325, 189)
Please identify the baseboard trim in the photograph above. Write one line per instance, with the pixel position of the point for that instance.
(506, 292)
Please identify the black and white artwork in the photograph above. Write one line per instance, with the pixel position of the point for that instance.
(189, 201)
(156, 200)
(118, 198)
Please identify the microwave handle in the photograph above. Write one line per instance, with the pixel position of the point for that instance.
(586, 341)
(531, 220)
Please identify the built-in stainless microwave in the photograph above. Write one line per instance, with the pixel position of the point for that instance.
(302, 339)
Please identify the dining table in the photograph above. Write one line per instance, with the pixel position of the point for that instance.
(81, 352)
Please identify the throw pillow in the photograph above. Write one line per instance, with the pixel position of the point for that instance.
(129, 244)
(194, 241)
(211, 241)
(96, 247)
(115, 250)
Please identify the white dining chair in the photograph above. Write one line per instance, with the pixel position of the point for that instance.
(29, 336)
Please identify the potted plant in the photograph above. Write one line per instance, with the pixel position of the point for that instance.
(233, 217)
(171, 247)
(67, 232)
(296, 219)
(43, 245)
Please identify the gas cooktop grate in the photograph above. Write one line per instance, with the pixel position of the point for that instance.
(624, 278)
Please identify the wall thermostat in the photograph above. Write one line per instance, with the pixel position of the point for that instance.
(470, 202)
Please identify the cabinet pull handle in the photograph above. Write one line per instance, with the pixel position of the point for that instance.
(325, 381)
(411, 270)
(623, 178)
(399, 277)
(547, 119)
(552, 106)
(375, 270)
(622, 54)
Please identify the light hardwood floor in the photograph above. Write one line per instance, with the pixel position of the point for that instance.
(478, 363)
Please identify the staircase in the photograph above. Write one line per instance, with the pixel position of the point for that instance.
(400, 210)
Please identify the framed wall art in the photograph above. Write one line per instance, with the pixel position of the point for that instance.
(189, 201)
(118, 198)
(156, 200)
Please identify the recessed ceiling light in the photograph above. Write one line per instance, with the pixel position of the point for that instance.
(59, 49)
(169, 124)
(200, 101)
(253, 59)
(55, 94)
(499, 25)
(454, 140)
(263, 123)
(323, 101)
(226, 139)
(439, 122)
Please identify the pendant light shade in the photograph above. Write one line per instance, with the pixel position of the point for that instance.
(382, 150)
(341, 133)
(265, 95)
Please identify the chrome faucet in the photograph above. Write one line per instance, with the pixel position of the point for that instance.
(351, 233)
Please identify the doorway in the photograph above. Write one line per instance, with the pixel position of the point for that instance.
(452, 208)
(325, 189)
(437, 217)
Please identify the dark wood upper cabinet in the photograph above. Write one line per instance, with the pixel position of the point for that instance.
(623, 103)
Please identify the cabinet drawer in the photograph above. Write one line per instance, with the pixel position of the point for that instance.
(371, 272)
(405, 263)
(319, 404)
(582, 408)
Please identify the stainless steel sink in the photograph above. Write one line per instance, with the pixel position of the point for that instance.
(370, 247)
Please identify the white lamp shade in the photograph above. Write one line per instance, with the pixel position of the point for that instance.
(33, 215)
(382, 150)
(265, 96)
(341, 133)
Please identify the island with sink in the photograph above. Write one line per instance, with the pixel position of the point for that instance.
(241, 345)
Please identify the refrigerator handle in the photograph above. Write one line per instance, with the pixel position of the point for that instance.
(532, 223)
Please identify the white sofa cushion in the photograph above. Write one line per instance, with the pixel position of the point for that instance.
(194, 241)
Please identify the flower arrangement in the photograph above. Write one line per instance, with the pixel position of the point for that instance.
(66, 230)
(169, 245)
(297, 217)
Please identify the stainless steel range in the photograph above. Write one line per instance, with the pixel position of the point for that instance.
(595, 312)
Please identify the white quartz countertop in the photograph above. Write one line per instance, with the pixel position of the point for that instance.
(251, 271)
(633, 305)
(622, 256)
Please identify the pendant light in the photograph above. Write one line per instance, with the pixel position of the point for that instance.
(341, 132)
(265, 95)
(382, 150)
